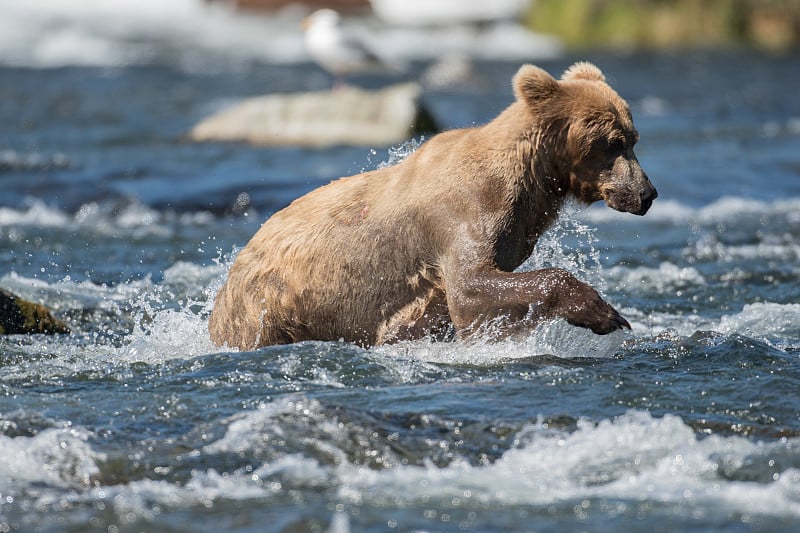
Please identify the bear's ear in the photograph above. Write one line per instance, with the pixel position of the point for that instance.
(583, 70)
(532, 84)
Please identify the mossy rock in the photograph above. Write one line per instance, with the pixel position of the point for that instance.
(18, 316)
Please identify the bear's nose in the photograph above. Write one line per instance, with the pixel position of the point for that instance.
(646, 197)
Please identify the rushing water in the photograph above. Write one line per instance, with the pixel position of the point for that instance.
(136, 422)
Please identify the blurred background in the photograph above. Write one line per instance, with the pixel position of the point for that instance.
(769, 24)
(124, 32)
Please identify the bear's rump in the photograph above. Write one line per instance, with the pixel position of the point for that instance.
(335, 280)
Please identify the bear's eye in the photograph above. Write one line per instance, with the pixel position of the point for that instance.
(616, 146)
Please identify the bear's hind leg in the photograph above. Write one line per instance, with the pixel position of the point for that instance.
(426, 316)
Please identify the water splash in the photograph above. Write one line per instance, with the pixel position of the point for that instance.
(171, 319)
(395, 154)
(398, 154)
(135, 321)
(572, 245)
(552, 338)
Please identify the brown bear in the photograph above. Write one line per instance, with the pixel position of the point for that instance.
(431, 244)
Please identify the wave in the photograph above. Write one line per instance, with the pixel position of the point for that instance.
(132, 214)
(763, 320)
(132, 217)
(55, 457)
(293, 443)
(724, 209)
(777, 245)
(154, 322)
(666, 277)
(632, 457)
(13, 160)
(778, 324)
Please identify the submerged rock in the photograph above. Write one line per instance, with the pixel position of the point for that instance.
(345, 116)
(21, 316)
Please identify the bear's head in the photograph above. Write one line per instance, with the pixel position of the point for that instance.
(589, 131)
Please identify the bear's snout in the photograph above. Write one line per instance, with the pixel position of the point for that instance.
(646, 199)
(632, 191)
(636, 201)
(644, 195)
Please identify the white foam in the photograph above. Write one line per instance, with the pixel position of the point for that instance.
(727, 209)
(632, 457)
(555, 337)
(54, 457)
(172, 334)
(667, 277)
(16, 160)
(246, 430)
(661, 211)
(193, 281)
(37, 213)
(246, 433)
(555, 249)
(175, 332)
(143, 499)
(133, 218)
(68, 294)
(708, 247)
(731, 208)
(763, 319)
(170, 319)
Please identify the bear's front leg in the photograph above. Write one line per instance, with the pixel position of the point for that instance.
(481, 295)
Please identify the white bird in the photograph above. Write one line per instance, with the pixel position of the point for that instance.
(335, 50)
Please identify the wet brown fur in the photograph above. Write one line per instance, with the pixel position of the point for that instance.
(431, 243)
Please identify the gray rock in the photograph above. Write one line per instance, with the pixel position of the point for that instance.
(345, 116)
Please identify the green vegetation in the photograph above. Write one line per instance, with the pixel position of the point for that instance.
(773, 24)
